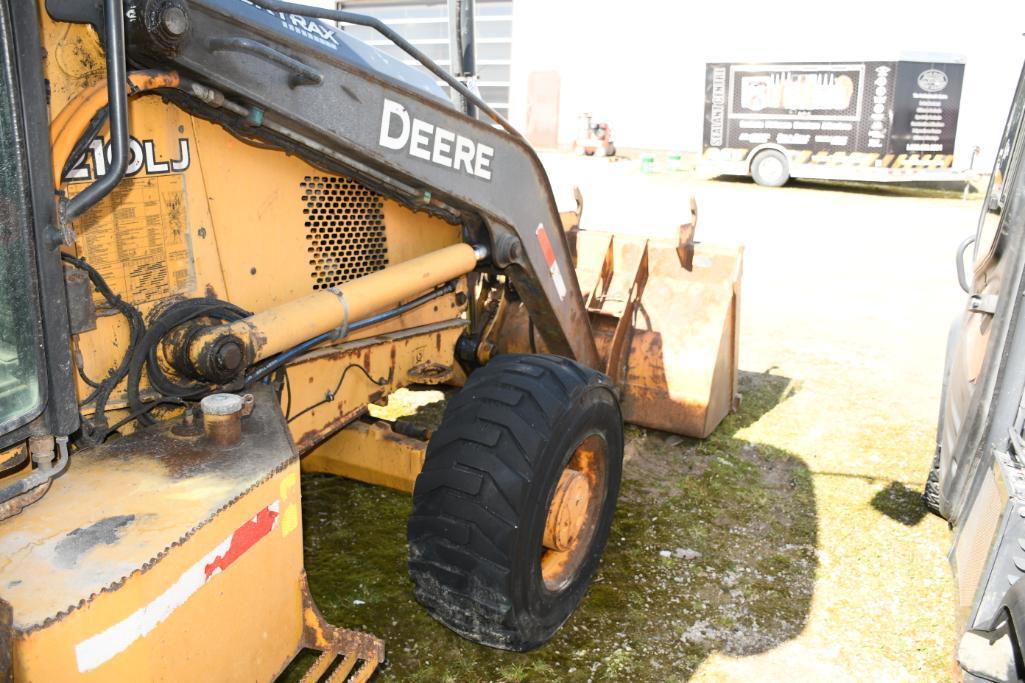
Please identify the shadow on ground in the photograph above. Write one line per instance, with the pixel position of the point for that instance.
(713, 549)
(900, 503)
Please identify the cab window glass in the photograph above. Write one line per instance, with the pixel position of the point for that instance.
(19, 324)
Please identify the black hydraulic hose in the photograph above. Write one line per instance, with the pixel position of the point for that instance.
(117, 99)
(144, 355)
(136, 327)
(402, 43)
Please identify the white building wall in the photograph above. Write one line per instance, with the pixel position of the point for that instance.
(640, 65)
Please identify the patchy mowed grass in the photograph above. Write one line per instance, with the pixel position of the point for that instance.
(713, 549)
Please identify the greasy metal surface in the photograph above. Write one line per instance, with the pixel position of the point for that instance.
(384, 363)
(680, 352)
(81, 308)
(122, 505)
(373, 453)
(11, 507)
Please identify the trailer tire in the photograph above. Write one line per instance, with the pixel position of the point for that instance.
(480, 522)
(770, 168)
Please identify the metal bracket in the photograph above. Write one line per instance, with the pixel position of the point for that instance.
(76, 11)
(983, 303)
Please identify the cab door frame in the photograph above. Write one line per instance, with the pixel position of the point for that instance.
(57, 413)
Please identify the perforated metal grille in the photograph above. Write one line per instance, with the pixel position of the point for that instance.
(344, 230)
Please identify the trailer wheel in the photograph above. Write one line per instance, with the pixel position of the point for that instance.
(770, 168)
(514, 503)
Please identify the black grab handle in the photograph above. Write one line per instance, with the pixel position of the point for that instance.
(301, 73)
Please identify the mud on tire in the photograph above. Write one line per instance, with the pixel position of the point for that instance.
(479, 555)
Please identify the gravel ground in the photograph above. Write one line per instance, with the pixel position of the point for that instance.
(792, 543)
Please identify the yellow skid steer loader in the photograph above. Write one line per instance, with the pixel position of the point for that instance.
(227, 227)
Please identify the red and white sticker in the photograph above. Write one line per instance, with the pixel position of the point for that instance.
(107, 644)
(553, 266)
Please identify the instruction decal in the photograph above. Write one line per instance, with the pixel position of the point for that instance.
(136, 238)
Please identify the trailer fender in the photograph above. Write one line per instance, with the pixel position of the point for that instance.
(761, 148)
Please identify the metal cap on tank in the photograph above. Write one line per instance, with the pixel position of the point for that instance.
(221, 404)
(222, 417)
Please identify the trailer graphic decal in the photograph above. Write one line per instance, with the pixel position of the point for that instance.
(850, 120)
(792, 91)
(107, 644)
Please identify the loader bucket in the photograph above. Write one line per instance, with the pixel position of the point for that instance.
(667, 333)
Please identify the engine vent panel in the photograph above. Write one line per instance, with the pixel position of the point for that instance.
(345, 232)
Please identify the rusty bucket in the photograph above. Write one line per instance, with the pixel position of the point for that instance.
(665, 317)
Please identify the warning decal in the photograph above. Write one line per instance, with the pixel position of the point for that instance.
(135, 237)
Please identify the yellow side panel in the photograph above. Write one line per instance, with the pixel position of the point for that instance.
(225, 605)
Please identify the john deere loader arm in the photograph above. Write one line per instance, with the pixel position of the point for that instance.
(271, 71)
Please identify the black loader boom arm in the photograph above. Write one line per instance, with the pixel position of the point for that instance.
(272, 71)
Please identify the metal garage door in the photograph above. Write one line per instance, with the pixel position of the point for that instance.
(426, 26)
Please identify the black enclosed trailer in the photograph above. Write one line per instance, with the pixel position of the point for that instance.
(876, 121)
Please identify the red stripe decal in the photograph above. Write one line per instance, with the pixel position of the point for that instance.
(242, 540)
(546, 246)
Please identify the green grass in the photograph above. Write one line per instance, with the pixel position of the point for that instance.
(747, 509)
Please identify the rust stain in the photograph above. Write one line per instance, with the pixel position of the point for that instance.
(313, 437)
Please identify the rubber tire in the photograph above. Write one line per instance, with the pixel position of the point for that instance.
(610, 151)
(763, 156)
(931, 493)
(481, 501)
